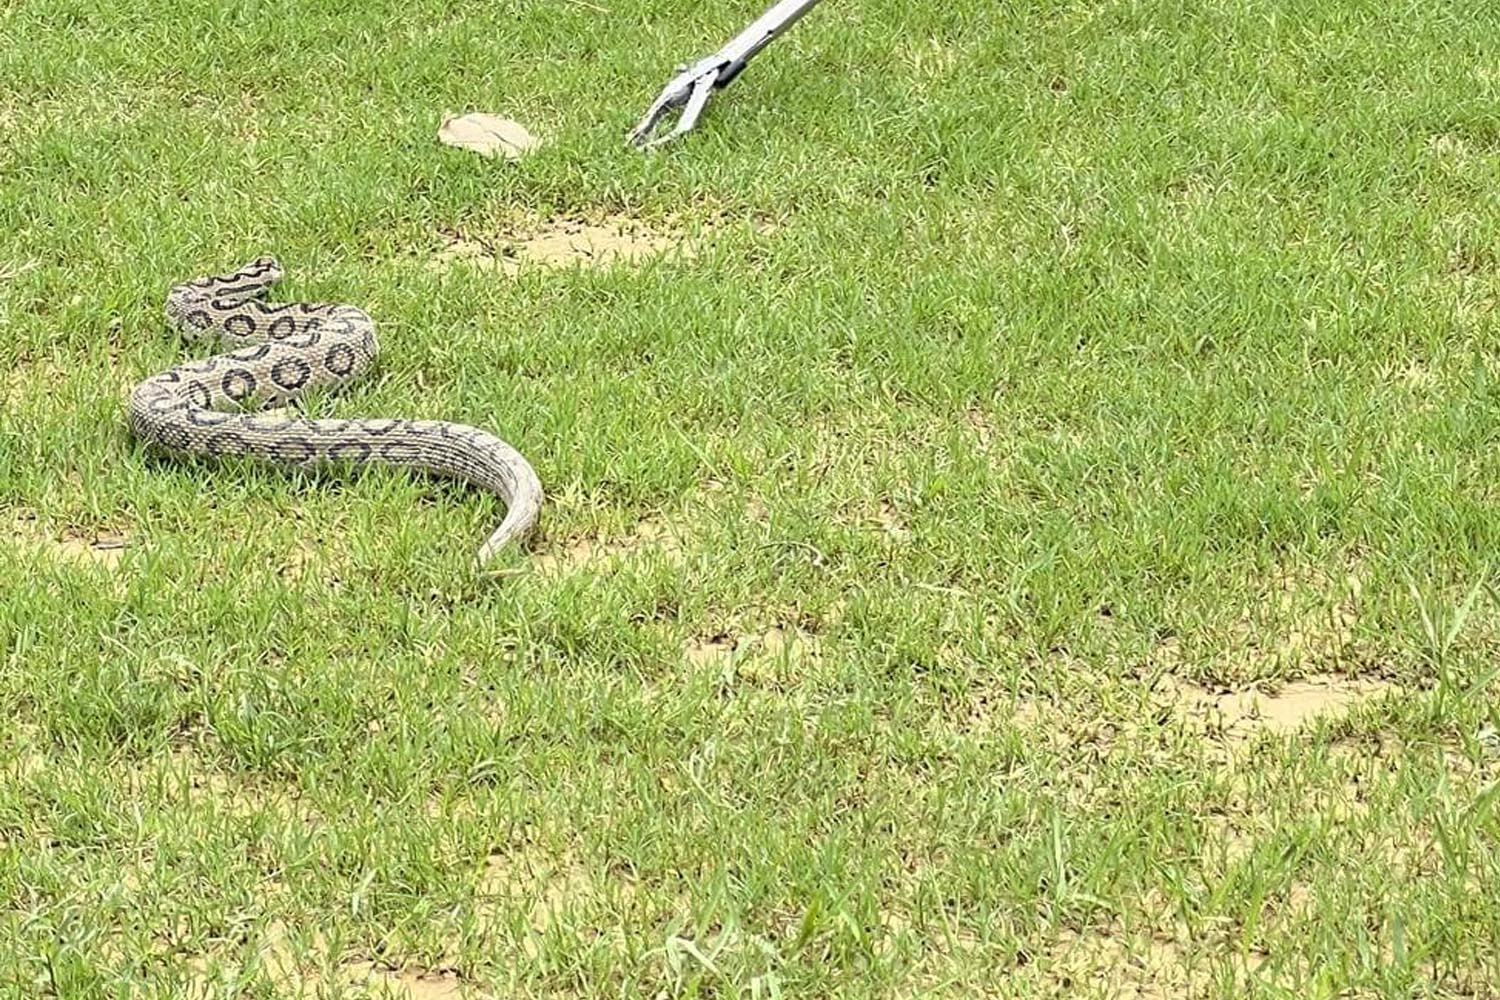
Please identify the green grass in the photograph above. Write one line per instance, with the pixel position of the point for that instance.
(1094, 345)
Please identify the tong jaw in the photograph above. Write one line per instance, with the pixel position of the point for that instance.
(693, 85)
(689, 91)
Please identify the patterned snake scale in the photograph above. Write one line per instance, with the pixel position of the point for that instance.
(279, 353)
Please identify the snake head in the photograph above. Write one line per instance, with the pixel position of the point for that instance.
(187, 310)
(191, 305)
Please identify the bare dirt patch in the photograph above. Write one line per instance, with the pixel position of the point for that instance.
(709, 649)
(410, 983)
(774, 658)
(299, 966)
(547, 887)
(988, 712)
(183, 778)
(773, 642)
(309, 560)
(98, 547)
(31, 377)
(297, 559)
(1298, 621)
(1240, 714)
(104, 546)
(563, 241)
(553, 892)
(1148, 969)
(1143, 966)
(1303, 618)
(516, 241)
(648, 537)
(891, 522)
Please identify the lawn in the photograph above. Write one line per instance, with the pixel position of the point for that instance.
(1024, 526)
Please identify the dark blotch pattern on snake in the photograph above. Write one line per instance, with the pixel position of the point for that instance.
(278, 353)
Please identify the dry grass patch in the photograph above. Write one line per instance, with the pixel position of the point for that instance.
(890, 521)
(1446, 144)
(550, 894)
(930, 58)
(305, 559)
(14, 270)
(711, 649)
(412, 983)
(983, 426)
(1299, 620)
(987, 710)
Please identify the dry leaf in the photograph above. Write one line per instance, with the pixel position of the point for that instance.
(487, 135)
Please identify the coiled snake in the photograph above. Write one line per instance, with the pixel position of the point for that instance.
(279, 353)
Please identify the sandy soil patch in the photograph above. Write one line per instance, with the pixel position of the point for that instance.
(647, 537)
(772, 642)
(297, 968)
(77, 546)
(561, 242)
(1153, 969)
(31, 377)
(1240, 714)
(584, 239)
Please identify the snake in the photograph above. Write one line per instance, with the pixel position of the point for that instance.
(243, 401)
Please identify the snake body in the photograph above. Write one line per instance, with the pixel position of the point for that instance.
(278, 353)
